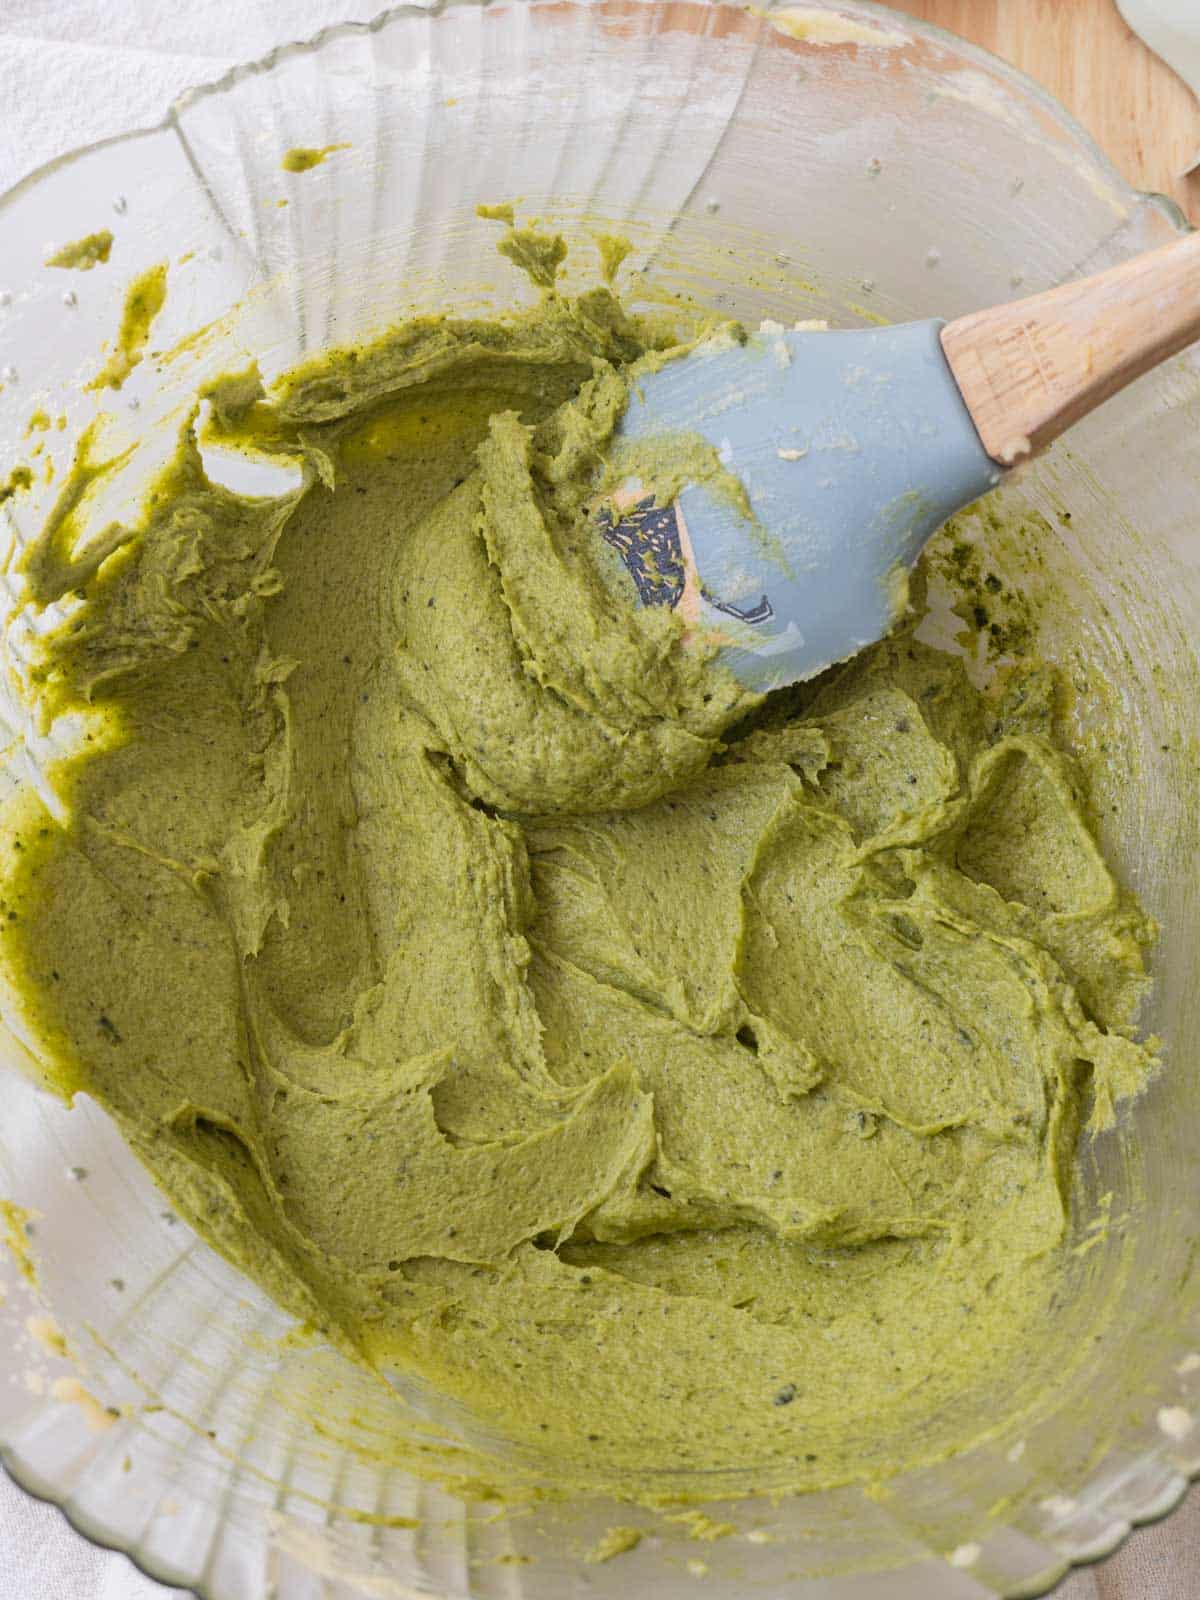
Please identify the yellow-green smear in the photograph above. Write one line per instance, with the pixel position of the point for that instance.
(539, 255)
(816, 28)
(144, 299)
(15, 1225)
(303, 158)
(19, 479)
(81, 255)
(688, 1084)
(39, 422)
(701, 1527)
(867, 314)
(613, 248)
(50, 565)
(617, 1541)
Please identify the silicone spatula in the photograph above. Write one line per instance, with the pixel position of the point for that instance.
(854, 446)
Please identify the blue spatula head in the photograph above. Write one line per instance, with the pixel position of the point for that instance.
(853, 447)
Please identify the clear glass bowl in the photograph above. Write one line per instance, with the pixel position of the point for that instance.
(821, 160)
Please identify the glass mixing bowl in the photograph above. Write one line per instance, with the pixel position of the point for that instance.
(819, 160)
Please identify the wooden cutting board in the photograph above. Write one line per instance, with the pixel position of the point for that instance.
(1134, 106)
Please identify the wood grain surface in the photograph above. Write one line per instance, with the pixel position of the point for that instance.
(1143, 115)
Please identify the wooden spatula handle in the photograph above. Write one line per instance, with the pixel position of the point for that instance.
(1030, 369)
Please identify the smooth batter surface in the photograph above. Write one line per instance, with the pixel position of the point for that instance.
(679, 1080)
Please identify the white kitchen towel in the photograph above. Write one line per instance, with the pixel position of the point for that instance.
(77, 70)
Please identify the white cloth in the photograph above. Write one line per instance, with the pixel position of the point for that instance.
(41, 1556)
(78, 70)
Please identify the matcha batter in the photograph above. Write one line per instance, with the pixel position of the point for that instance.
(679, 1080)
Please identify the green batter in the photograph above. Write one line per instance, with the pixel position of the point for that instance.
(680, 1080)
